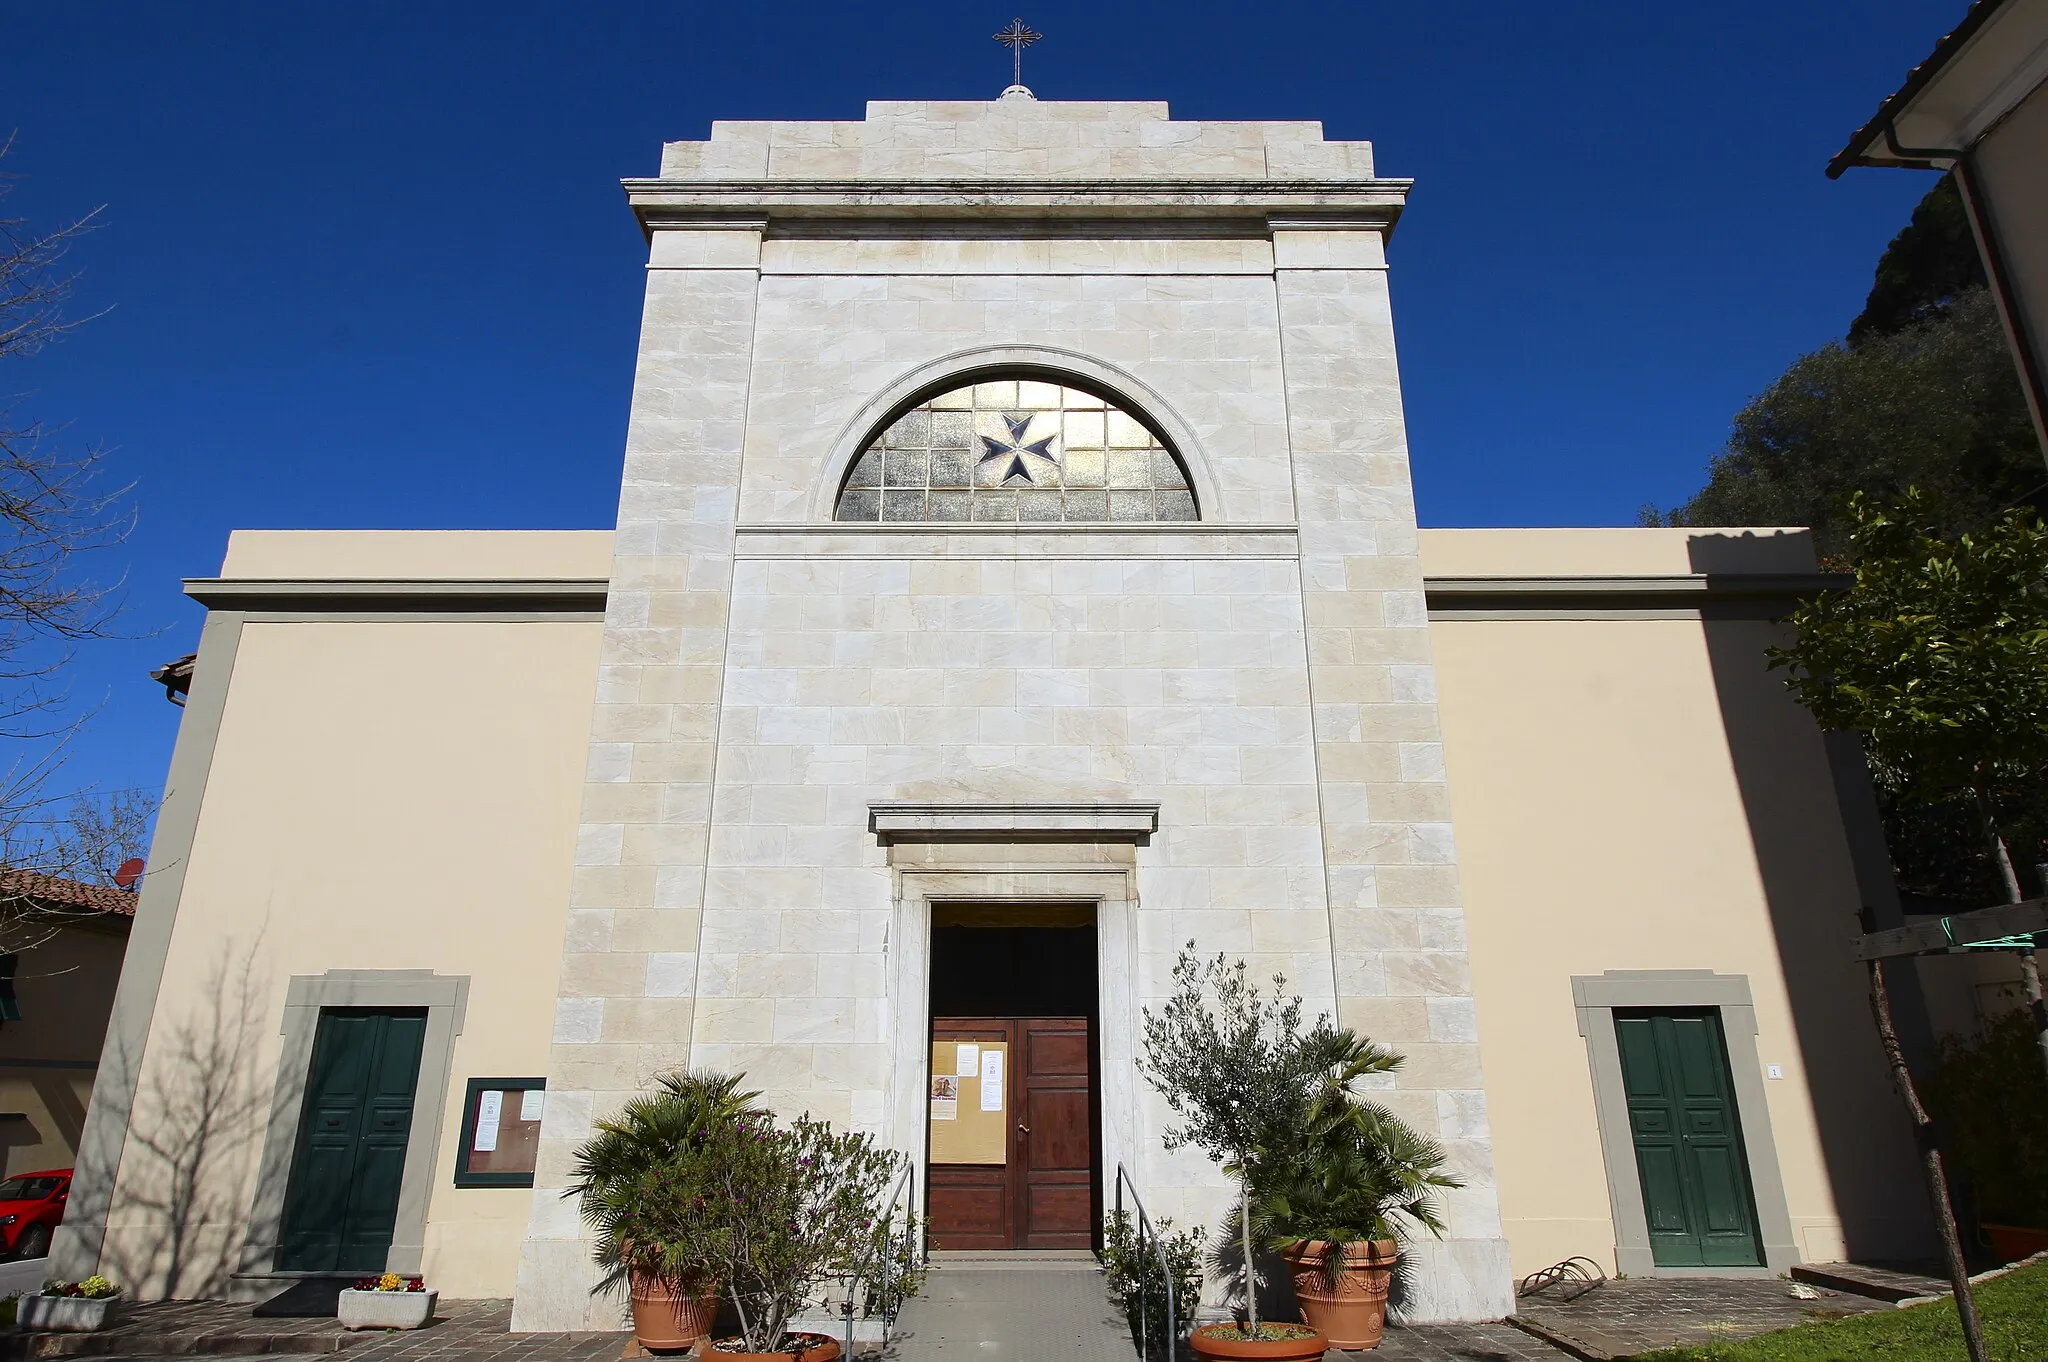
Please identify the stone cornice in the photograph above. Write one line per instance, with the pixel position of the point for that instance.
(895, 540)
(1723, 594)
(899, 820)
(1357, 204)
(566, 595)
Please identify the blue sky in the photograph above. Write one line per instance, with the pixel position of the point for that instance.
(368, 265)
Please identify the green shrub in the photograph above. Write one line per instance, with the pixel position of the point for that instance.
(1990, 1099)
(1137, 1281)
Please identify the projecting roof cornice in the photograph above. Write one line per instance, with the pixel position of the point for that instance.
(1371, 205)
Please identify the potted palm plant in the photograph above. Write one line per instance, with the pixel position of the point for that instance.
(1243, 1080)
(1337, 1203)
(647, 1180)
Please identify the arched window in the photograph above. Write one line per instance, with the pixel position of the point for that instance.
(1010, 449)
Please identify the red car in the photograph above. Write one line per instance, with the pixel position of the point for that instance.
(31, 1204)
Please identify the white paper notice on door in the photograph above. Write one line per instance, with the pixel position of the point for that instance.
(967, 1060)
(991, 1080)
(489, 1107)
(530, 1104)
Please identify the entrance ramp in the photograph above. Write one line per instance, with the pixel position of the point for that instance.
(1019, 1306)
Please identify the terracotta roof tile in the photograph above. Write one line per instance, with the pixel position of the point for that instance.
(52, 891)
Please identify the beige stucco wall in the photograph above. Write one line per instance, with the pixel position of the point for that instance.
(1640, 794)
(65, 985)
(1628, 794)
(1527, 553)
(395, 795)
(418, 555)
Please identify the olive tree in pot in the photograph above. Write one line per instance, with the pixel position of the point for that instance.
(1336, 1204)
(648, 1184)
(1243, 1081)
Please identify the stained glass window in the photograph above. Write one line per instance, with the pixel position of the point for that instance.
(1017, 450)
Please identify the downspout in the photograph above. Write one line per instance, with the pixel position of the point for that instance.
(2033, 381)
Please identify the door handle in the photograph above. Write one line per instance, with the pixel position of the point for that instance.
(1021, 1126)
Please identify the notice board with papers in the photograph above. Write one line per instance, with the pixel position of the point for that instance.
(969, 1101)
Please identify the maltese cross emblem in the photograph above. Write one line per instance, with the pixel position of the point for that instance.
(1014, 448)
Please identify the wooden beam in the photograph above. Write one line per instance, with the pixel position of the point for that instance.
(1941, 934)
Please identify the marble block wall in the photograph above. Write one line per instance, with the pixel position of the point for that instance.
(1264, 676)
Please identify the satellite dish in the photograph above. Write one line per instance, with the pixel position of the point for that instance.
(129, 873)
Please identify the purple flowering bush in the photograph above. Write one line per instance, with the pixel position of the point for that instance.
(802, 1210)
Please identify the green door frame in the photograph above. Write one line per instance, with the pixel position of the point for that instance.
(1596, 997)
(446, 999)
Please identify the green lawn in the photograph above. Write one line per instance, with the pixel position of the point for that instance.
(2014, 1307)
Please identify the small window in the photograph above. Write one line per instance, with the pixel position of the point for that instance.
(500, 1132)
(1014, 450)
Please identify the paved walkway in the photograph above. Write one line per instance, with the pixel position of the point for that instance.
(1643, 1314)
(1019, 1308)
(1052, 1309)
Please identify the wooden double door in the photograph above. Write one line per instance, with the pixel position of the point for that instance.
(1046, 1191)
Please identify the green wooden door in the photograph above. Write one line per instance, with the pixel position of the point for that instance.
(341, 1203)
(1681, 1111)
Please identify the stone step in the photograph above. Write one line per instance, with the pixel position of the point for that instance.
(1878, 1283)
(1014, 1260)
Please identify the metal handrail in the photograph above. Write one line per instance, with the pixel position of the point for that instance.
(902, 1192)
(1146, 1234)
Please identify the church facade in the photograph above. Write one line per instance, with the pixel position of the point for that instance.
(1016, 578)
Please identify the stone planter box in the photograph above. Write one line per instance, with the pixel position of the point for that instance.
(64, 1314)
(386, 1309)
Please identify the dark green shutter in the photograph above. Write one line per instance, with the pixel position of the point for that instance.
(1688, 1139)
(341, 1203)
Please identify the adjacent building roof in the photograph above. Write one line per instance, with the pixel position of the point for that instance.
(1971, 79)
(51, 891)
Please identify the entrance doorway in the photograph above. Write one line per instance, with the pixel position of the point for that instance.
(1015, 1100)
(1688, 1138)
(341, 1203)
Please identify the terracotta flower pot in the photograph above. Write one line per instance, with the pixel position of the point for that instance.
(1353, 1309)
(823, 1348)
(1303, 1344)
(665, 1321)
(2014, 1242)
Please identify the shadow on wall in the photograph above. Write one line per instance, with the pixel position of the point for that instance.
(59, 1096)
(17, 1132)
(180, 1208)
(1803, 834)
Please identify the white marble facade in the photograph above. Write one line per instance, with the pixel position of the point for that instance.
(1262, 676)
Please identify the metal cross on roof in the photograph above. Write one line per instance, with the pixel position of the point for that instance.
(1017, 37)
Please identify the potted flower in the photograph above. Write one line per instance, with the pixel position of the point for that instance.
(801, 1206)
(69, 1307)
(1337, 1204)
(1243, 1080)
(386, 1302)
(647, 1180)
